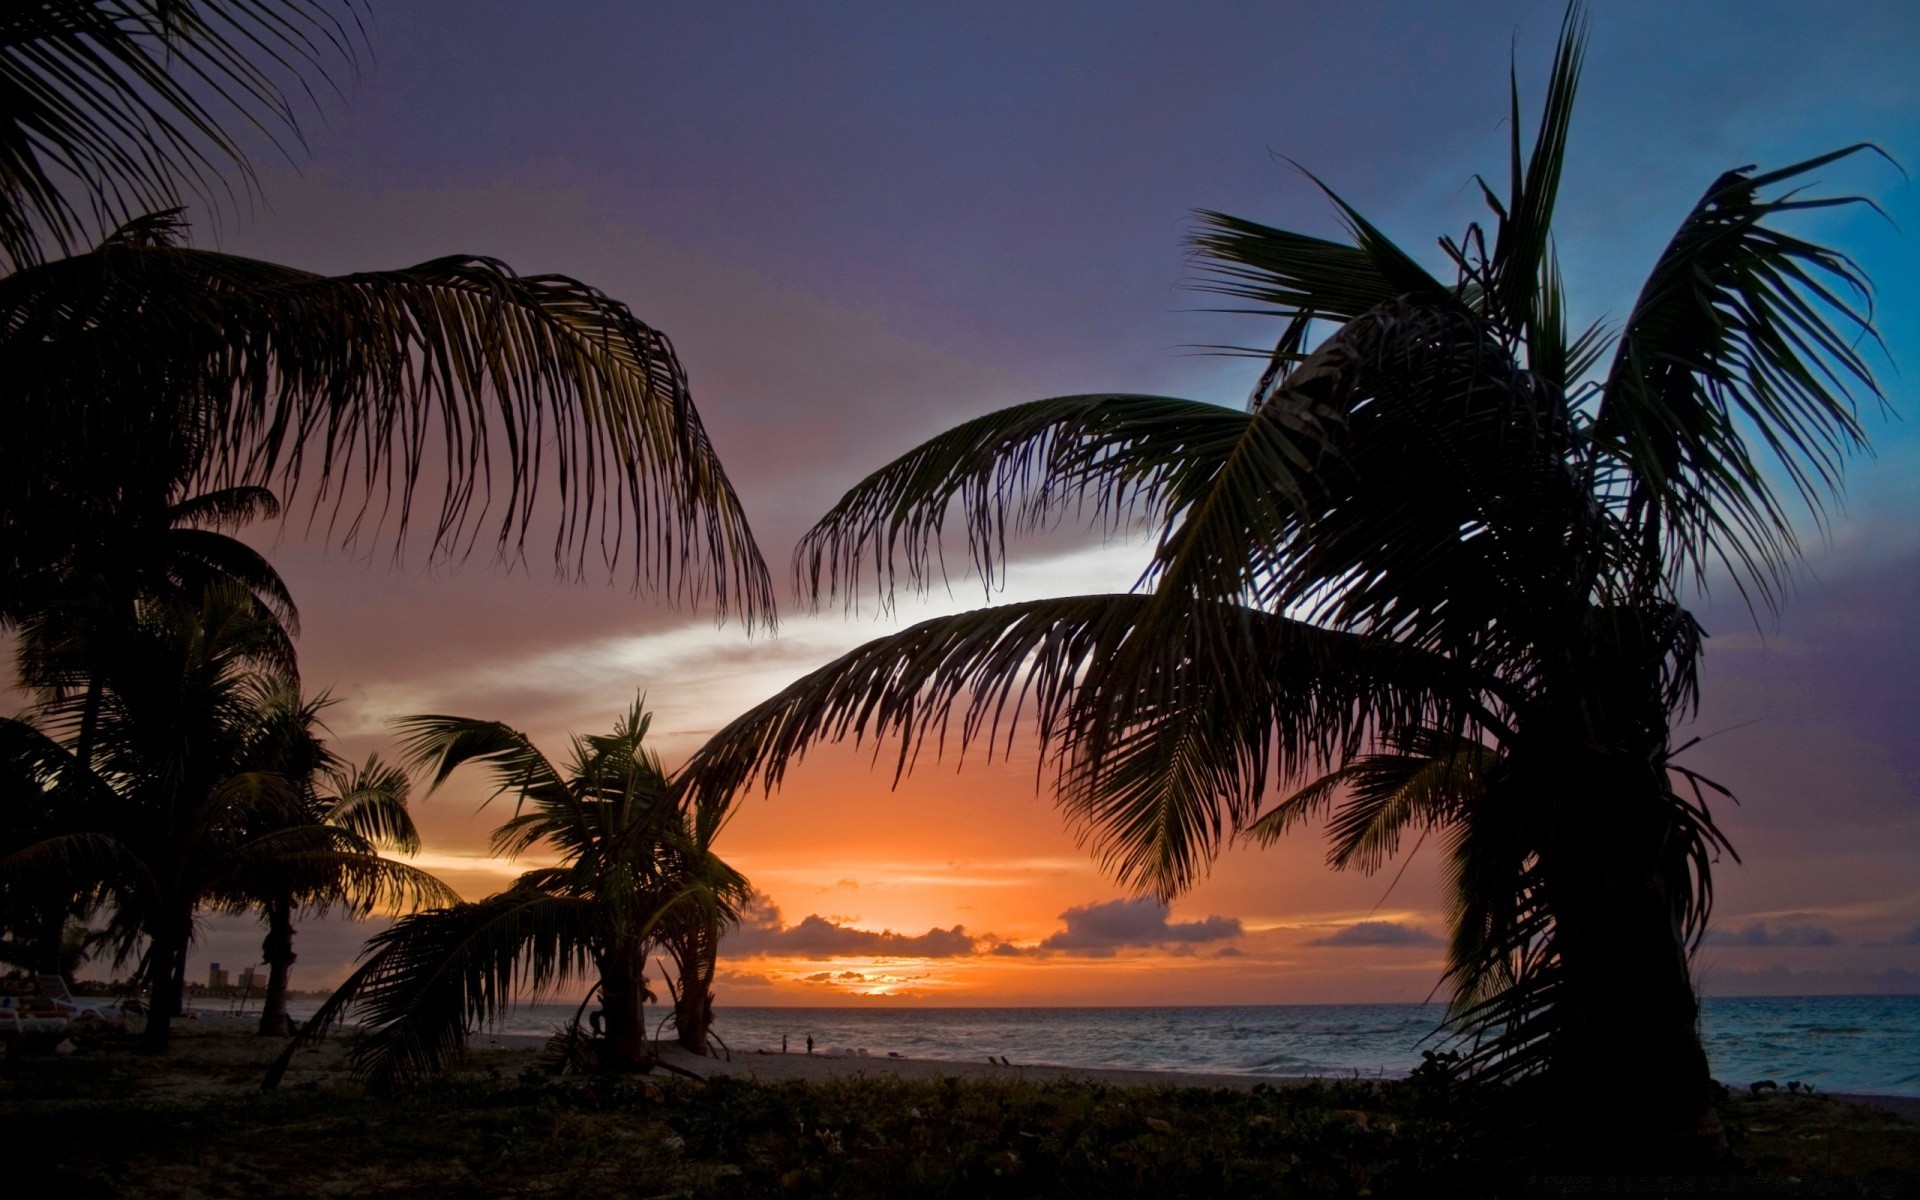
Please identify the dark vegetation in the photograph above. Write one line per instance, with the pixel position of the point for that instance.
(504, 1129)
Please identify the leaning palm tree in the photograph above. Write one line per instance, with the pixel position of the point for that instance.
(1436, 568)
(348, 391)
(635, 870)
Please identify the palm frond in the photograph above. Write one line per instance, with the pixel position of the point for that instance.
(444, 744)
(1107, 458)
(1522, 255)
(1165, 735)
(982, 669)
(1293, 276)
(108, 109)
(523, 381)
(1741, 334)
(371, 801)
(201, 558)
(434, 976)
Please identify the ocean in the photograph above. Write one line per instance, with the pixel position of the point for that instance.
(1837, 1043)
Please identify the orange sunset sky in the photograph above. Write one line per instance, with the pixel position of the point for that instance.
(862, 228)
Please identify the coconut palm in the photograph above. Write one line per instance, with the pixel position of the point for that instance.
(1435, 568)
(366, 804)
(170, 812)
(356, 386)
(634, 870)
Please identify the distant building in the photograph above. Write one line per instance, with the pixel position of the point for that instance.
(216, 978)
(253, 977)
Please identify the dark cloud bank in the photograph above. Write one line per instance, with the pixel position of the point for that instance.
(1377, 933)
(1758, 934)
(1089, 930)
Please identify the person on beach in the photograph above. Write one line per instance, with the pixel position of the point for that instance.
(783, 1043)
(809, 1045)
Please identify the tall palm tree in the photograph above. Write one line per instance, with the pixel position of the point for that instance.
(1436, 567)
(367, 806)
(360, 385)
(636, 869)
(170, 812)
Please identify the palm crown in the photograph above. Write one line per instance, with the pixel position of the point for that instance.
(636, 872)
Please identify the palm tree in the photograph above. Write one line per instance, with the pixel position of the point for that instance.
(170, 812)
(636, 870)
(365, 804)
(357, 385)
(1436, 568)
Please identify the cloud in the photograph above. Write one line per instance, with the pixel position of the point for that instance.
(1378, 933)
(1230, 952)
(1778, 980)
(1101, 929)
(1910, 938)
(763, 932)
(1757, 934)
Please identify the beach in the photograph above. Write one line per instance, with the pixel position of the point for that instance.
(103, 1120)
(216, 1049)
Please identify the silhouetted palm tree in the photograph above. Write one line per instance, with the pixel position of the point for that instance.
(171, 811)
(635, 869)
(1442, 556)
(366, 804)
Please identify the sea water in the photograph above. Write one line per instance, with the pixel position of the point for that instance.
(1837, 1043)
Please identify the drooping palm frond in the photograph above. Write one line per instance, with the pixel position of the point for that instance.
(443, 744)
(1156, 729)
(1110, 458)
(433, 976)
(1742, 333)
(198, 559)
(371, 801)
(113, 107)
(1427, 779)
(321, 866)
(523, 381)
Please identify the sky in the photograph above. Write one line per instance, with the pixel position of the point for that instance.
(863, 224)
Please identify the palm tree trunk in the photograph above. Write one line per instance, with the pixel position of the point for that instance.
(276, 950)
(694, 959)
(167, 956)
(1628, 1066)
(623, 997)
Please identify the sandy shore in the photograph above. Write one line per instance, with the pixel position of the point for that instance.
(225, 1040)
(768, 1067)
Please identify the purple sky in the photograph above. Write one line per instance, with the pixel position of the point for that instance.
(863, 225)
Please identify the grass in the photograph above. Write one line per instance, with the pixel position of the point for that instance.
(97, 1124)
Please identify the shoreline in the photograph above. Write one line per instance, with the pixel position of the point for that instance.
(765, 1066)
(768, 1066)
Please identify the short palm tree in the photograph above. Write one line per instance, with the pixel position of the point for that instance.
(1434, 573)
(366, 806)
(636, 871)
